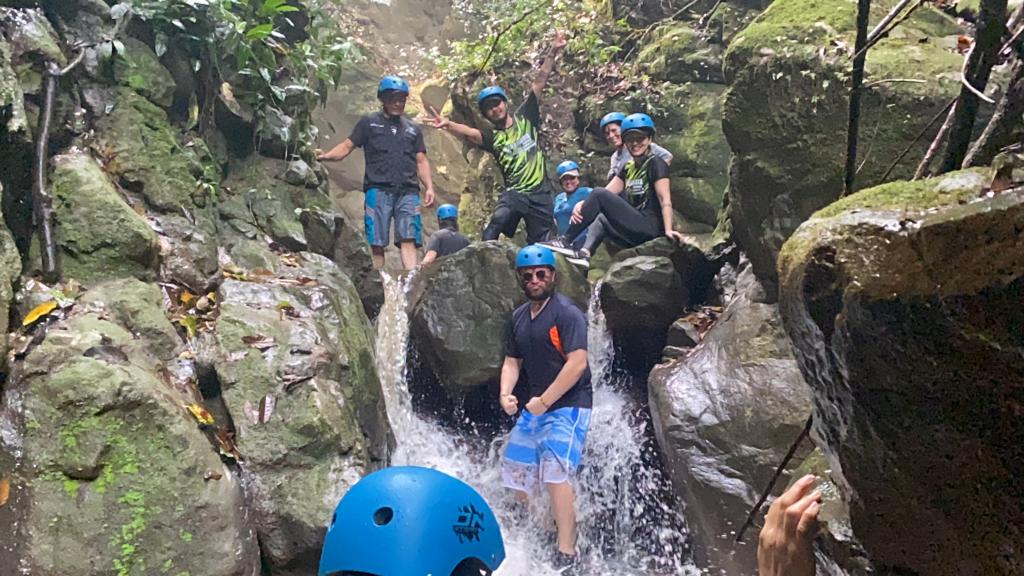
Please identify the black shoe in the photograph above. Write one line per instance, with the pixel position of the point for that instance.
(566, 564)
(561, 245)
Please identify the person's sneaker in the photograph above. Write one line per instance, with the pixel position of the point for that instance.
(581, 261)
(560, 245)
(566, 564)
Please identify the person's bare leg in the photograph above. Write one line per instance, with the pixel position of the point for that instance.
(563, 508)
(378, 257)
(408, 249)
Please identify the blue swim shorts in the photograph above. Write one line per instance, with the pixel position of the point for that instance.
(381, 207)
(545, 449)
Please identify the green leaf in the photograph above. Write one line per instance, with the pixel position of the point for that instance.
(259, 32)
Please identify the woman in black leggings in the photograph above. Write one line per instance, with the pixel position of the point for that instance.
(635, 207)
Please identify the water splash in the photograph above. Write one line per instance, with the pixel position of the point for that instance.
(626, 528)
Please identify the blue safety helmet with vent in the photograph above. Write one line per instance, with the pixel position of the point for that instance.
(392, 83)
(567, 167)
(638, 121)
(411, 521)
(535, 255)
(490, 92)
(447, 212)
(612, 117)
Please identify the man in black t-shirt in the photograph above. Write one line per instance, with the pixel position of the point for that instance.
(547, 344)
(396, 158)
(636, 205)
(447, 240)
(514, 140)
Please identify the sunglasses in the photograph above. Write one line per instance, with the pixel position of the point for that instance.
(527, 275)
(570, 177)
(634, 138)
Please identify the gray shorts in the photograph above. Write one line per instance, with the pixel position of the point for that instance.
(381, 207)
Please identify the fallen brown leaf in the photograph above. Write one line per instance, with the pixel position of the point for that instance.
(259, 341)
(5, 491)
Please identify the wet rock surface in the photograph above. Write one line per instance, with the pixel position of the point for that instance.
(903, 305)
(724, 416)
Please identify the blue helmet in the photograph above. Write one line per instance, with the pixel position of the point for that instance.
(566, 167)
(638, 122)
(447, 211)
(489, 92)
(535, 255)
(612, 117)
(410, 520)
(392, 83)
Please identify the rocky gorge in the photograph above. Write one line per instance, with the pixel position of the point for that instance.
(198, 382)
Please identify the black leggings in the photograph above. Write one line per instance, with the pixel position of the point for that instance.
(622, 223)
(534, 208)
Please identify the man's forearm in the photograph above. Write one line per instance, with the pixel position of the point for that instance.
(509, 377)
(545, 70)
(423, 171)
(339, 152)
(570, 374)
(467, 132)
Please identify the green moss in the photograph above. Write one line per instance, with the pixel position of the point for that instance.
(126, 541)
(914, 195)
(186, 536)
(71, 487)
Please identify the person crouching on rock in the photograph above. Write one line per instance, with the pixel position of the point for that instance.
(636, 205)
(447, 240)
(395, 157)
(568, 173)
(547, 343)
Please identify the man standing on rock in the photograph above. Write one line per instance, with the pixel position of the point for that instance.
(395, 157)
(547, 343)
(514, 140)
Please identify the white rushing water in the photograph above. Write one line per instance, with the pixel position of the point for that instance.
(625, 528)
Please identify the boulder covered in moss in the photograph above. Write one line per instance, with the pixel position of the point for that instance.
(138, 68)
(109, 473)
(676, 52)
(903, 305)
(99, 236)
(293, 354)
(785, 113)
(10, 271)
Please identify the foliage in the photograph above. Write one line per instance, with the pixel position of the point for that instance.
(515, 30)
(278, 57)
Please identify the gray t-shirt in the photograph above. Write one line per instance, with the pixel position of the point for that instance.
(621, 157)
(446, 241)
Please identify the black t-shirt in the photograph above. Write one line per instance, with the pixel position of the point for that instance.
(639, 177)
(517, 148)
(446, 241)
(543, 343)
(390, 145)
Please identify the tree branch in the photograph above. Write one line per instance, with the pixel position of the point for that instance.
(933, 149)
(874, 38)
(853, 126)
(1005, 122)
(945, 110)
(494, 43)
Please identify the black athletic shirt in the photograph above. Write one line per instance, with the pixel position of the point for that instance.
(536, 341)
(517, 148)
(390, 145)
(639, 177)
(446, 241)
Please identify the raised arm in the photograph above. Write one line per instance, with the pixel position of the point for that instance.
(467, 132)
(541, 80)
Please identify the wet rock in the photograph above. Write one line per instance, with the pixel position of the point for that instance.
(299, 173)
(300, 343)
(673, 352)
(139, 69)
(788, 99)
(276, 133)
(98, 235)
(724, 417)
(109, 473)
(458, 310)
(33, 40)
(333, 235)
(189, 255)
(138, 307)
(903, 303)
(12, 100)
(10, 270)
(166, 174)
(683, 334)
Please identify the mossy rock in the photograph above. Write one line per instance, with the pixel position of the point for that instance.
(99, 236)
(138, 306)
(139, 69)
(785, 113)
(112, 475)
(903, 305)
(12, 100)
(142, 149)
(675, 52)
(10, 272)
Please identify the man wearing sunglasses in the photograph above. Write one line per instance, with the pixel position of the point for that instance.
(396, 158)
(547, 345)
(514, 140)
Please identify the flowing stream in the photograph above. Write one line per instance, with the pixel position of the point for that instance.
(627, 526)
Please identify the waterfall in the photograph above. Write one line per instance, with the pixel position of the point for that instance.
(625, 529)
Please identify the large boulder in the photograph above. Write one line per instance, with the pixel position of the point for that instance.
(294, 362)
(109, 474)
(138, 68)
(99, 236)
(785, 112)
(676, 52)
(903, 304)
(724, 417)
(335, 236)
(459, 308)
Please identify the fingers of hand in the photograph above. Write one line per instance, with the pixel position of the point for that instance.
(795, 512)
(807, 528)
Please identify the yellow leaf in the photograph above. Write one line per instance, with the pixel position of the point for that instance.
(212, 296)
(190, 324)
(187, 297)
(38, 312)
(202, 415)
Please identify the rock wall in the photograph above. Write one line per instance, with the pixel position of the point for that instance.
(903, 305)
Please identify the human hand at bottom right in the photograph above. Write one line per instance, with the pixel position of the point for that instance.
(785, 546)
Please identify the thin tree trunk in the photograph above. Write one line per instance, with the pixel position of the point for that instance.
(940, 137)
(985, 54)
(853, 128)
(1002, 129)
